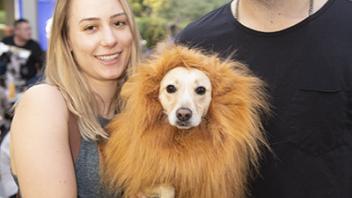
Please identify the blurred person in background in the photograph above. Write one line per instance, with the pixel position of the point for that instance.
(302, 49)
(22, 38)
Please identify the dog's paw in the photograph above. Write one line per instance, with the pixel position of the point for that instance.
(161, 191)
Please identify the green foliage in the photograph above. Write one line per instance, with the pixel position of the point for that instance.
(153, 29)
(2, 17)
(140, 8)
(154, 17)
(182, 12)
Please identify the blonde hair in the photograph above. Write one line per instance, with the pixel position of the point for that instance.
(62, 71)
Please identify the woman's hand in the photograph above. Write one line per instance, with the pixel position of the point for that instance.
(161, 191)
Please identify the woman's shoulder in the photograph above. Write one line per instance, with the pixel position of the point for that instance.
(43, 90)
(48, 94)
(44, 98)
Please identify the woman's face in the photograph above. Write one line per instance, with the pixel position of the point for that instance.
(100, 38)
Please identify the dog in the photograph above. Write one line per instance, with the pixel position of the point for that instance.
(185, 95)
(190, 128)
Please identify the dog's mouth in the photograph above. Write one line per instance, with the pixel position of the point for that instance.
(183, 124)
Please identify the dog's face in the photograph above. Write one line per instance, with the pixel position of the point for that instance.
(185, 95)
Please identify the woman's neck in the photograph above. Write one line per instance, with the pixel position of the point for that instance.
(273, 15)
(105, 94)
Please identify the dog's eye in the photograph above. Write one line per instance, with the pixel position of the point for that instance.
(200, 90)
(171, 89)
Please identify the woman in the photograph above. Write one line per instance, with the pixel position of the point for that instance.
(58, 124)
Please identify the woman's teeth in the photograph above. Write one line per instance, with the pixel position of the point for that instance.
(108, 57)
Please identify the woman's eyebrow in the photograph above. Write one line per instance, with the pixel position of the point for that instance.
(89, 19)
(118, 14)
(96, 18)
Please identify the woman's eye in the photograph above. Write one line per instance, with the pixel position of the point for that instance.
(90, 28)
(120, 23)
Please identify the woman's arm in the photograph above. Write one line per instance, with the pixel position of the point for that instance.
(41, 156)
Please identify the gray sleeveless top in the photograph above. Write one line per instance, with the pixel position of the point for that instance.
(87, 170)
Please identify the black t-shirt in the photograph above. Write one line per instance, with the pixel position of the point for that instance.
(308, 70)
(35, 60)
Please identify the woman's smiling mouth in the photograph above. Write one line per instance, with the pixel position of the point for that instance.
(109, 59)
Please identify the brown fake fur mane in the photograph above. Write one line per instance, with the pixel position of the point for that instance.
(209, 161)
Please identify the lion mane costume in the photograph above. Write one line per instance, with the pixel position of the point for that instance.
(212, 160)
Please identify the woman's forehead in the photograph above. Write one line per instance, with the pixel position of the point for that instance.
(99, 9)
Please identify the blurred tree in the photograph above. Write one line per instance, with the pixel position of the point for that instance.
(154, 17)
(153, 29)
(156, 5)
(140, 8)
(182, 12)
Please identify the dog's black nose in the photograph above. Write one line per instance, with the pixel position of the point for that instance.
(183, 114)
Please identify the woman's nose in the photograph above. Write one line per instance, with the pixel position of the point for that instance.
(108, 37)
